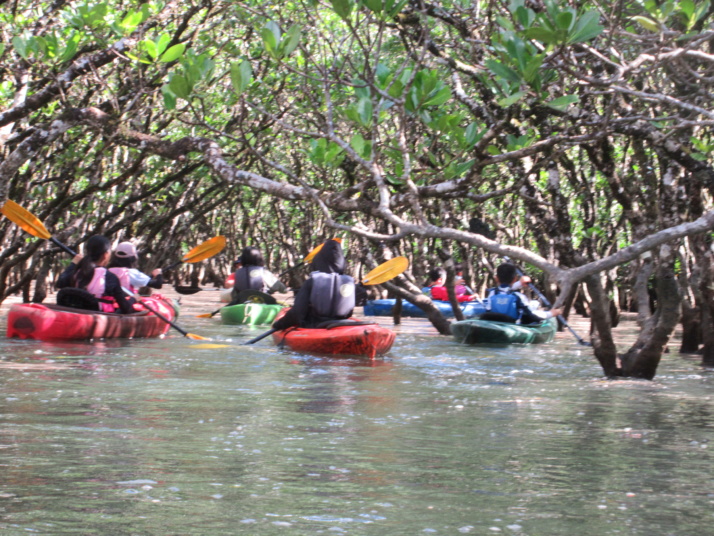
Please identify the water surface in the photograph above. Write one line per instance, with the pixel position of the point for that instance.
(159, 437)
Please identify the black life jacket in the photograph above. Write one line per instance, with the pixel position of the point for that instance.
(79, 298)
(332, 295)
(249, 278)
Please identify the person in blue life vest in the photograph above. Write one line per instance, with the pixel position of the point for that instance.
(87, 284)
(123, 264)
(327, 295)
(505, 304)
(252, 275)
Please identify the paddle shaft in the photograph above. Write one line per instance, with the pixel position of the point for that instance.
(547, 304)
(260, 337)
(62, 246)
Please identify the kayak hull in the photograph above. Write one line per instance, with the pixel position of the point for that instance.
(54, 322)
(385, 307)
(253, 314)
(368, 340)
(476, 331)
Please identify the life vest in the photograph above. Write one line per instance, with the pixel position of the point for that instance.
(249, 277)
(123, 275)
(504, 302)
(98, 287)
(332, 295)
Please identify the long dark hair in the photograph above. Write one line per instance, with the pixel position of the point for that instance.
(95, 247)
(251, 256)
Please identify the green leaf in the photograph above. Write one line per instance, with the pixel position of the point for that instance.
(502, 71)
(357, 143)
(511, 99)
(271, 37)
(180, 86)
(342, 7)
(647, 23)
(587, 27)
(364, 109)
(440, 98)
(20, 46)
(292, 39)
(564, 20)
(562, 103)
(169, 98)
(2, 49)
(241, 75)
(70, 48)
(543, 35)
(172, 54)
(373, 5)
(150, 48)
(161, 43)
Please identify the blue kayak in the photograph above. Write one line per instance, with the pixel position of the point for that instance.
(384, 308)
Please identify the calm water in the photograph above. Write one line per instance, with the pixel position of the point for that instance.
(164, 437)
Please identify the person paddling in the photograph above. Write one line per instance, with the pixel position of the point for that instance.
(252, 275)
(327, 295)
(505, 304)
(123, 264)
(87, 284)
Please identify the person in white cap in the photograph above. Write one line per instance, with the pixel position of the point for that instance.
(123, 264)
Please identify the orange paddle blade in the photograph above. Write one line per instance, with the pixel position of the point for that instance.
(315, 251)
(207, 249)
(25, 219)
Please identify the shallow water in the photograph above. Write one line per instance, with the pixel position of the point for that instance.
(159, 437)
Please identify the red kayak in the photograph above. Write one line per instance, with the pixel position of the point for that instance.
(341, 337)
(54, 322)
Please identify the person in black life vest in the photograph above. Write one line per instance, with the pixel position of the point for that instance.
(327, 295)
(505, 304)
(89, 273)
(252, 275)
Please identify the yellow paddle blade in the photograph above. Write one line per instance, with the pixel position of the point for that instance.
(207, 249)
(24, 219)
(197, 337)
(386, 271)
(208, 346)
(315, 251)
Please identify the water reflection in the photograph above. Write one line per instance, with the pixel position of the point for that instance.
(168, 437)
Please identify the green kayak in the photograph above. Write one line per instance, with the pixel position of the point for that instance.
(476, 331)
(250, 313)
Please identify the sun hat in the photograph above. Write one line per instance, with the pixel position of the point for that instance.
(125, 250)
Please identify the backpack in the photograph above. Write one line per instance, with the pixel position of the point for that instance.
(78, 298)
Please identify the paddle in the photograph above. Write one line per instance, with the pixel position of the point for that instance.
(384, 272)
(27, 221)
(307, 259)
(547, 304)
(32, 225)
(201, 252)
(162, 317)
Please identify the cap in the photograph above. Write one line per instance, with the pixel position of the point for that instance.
(125, 250)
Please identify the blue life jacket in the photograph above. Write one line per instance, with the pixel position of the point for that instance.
(504, 302)
(332, 295)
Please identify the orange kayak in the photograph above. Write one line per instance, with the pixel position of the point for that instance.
(54, 322)
(341, 337)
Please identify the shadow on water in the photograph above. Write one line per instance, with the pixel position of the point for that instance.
(172, 436)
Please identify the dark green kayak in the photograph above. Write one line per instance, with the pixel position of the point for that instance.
(477, 331)
(253, 314)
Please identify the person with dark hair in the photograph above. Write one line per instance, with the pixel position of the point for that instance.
(87, 284)
(505, 304)
(461, 288)
(252, 275)
(123, 264)
(327, 295)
